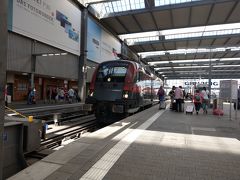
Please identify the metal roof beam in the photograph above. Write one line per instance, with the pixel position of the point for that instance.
(166, 7)
(203, 77)
(149, 3)
(176, 56)
(185, 39)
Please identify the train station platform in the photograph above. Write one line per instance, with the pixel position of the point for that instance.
(40, 103)
(153, 144)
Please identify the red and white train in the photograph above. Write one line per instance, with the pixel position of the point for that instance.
(121, 87)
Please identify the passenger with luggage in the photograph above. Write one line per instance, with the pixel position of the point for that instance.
(197, 100)
(179, 99)
(161, 94)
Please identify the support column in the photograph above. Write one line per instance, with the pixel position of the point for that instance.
(83, 57)
(3, 64)
(210, 75)
(33, 68)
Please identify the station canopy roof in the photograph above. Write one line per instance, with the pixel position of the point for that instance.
(180, 39)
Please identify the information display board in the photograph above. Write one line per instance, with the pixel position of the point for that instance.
(228, 89)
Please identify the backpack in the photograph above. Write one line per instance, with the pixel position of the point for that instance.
(197, 98)
(161, 92)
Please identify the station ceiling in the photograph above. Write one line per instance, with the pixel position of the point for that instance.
(179, 55)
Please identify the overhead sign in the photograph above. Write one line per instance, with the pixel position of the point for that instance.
(101, 45)
(56, 23)
(187, 83)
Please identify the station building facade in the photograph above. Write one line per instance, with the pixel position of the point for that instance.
(44, 47)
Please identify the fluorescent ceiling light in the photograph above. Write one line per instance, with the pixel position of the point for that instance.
(64, 54)
(187, 51)
(212, 30)
(162, 68)
(158, 62)
(184, 67)
(227, 66)
(169, 2)
(194, 61)
(224, 70)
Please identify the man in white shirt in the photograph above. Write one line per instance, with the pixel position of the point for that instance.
(205, 94)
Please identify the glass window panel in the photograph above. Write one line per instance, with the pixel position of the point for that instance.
(169, 2)
(118, 6)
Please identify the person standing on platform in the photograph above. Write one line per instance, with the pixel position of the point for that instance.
(48, 98)
(61, 95)
(171, 94)
(178, 97)
(237, 104)
(197, 100)
(205, 102)
(54, 95)
(161, 95)
(70, 95)
(5, 96)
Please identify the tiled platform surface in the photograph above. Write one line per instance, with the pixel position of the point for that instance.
(152, 144)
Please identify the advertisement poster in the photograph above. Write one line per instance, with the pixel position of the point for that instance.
(101, 45)
(56, 23)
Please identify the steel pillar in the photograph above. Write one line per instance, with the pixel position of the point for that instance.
(83, 57)
(210, 76)
(33, 69)
(3, 64)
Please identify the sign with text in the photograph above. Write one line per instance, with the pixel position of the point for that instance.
(56, 23)
(190, 83)
(101, 45)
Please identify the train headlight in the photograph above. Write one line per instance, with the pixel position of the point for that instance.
(125, 95)
(91, 94)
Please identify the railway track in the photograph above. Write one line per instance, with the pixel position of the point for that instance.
(69, 130)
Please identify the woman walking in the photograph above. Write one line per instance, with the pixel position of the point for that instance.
(197, 100)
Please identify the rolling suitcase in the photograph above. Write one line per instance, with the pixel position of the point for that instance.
(162, 105)
(189, 109)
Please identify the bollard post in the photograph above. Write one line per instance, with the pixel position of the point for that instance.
(30, 119)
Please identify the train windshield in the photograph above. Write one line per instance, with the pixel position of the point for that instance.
(112, 73)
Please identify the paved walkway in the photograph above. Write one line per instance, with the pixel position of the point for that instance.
(149, 145)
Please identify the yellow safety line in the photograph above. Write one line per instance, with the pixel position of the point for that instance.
(16, 112)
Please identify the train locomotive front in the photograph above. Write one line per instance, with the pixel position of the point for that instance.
(118, 88)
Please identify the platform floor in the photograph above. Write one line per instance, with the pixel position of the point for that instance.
(152, 145)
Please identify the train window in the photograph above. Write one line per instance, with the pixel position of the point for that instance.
(108, 73)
